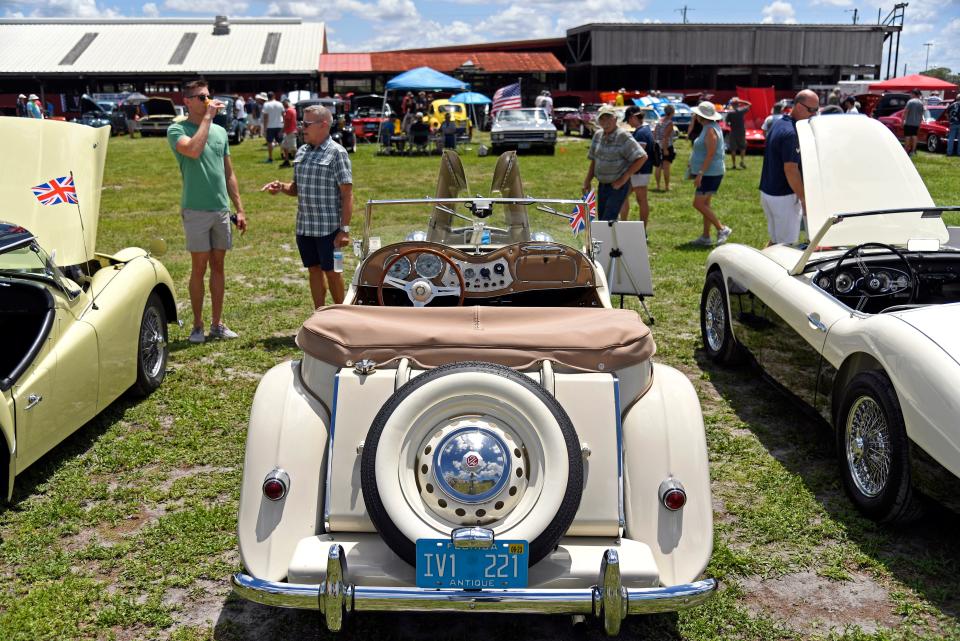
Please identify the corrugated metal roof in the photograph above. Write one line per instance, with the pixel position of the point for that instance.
(148, 46)
(447, 61)
(350, 62)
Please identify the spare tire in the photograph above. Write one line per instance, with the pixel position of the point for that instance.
(470, 444)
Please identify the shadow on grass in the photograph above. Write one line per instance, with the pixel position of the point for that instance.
(922, 555)
(74, 445)
(245, 621)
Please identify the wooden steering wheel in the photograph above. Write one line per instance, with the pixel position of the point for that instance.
(421, 290)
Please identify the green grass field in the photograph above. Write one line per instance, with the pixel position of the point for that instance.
(127, 529)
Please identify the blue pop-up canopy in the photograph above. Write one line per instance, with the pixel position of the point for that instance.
(470, 98)
(426, 79)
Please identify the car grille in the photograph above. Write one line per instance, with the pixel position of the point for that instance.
(517, 136)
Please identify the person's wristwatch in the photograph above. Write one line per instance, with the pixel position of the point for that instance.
(345, 229)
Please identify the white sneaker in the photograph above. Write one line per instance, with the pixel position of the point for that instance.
(196, 336)
(723, 235)
(702, 241)
(222, 331)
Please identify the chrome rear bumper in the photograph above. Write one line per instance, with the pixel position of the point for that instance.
(608, 599)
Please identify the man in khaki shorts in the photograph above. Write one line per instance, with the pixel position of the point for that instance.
(203, 154)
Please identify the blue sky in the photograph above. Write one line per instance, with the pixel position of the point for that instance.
(364, 25)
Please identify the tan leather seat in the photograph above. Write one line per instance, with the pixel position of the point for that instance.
(586, 339)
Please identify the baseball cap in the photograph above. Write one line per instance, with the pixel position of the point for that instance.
(606, 110)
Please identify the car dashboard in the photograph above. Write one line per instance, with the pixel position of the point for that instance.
(521, 274)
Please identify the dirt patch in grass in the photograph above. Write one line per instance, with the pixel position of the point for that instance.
(179, 473)
(809, 603)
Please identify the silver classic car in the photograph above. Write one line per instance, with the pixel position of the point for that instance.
(523, 129)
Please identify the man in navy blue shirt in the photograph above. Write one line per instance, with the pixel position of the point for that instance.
(781, 180)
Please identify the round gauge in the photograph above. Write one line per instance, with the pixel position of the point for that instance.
(883, 281)
(902, 282)
(400, 269)
(469, 272)
(844, 283)
(824, 282)
(429, 265)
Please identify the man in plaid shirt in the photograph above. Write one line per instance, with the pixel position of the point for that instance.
(323, 184)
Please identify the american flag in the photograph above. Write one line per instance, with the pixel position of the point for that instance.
(506, 98)
(579, 221)
(57, 191)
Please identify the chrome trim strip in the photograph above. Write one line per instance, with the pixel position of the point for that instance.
(622, 515)
(525, 601)
(333, 423)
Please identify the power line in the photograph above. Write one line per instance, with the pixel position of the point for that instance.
(683, 11)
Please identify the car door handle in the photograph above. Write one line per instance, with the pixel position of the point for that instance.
(33, 399)
(815, 321)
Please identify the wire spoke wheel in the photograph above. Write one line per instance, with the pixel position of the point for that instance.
(152, 342)
(715, 319)
(868, 446)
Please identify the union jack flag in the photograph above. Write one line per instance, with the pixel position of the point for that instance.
(57, 191)
(506, 98)
(579, 221)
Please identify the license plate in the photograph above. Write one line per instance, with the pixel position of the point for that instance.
(440, 565)
(523, 145)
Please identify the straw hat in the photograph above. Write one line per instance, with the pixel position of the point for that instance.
(33, 96)
(707, 111)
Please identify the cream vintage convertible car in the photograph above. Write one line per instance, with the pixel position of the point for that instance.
(862, 322)
(79, 327)
(476, 430)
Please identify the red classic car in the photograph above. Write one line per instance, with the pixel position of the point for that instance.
(932, 134)
(582, 122)
(368, 115)
(562, 107)
(756, 139)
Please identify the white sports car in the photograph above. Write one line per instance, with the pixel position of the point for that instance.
(476, 430)
(862, 322)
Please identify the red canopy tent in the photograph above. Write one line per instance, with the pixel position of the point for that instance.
(913, 81)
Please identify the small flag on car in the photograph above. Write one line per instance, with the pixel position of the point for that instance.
(56, 192)
(579, 221)
(506, 98)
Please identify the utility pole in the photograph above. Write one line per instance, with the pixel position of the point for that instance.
(855, 13)
(927, 64)
(683, 11)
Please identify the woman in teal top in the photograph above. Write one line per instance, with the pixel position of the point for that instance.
(707, 169)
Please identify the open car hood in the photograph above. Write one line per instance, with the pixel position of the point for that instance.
(38, 151)
(89, 106)
(160, 107)
(838, 181)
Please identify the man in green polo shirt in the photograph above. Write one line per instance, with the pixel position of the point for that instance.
(203, 154)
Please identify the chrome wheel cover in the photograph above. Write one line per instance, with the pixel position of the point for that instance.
(715, 319)
(867, 444)
(472, 471)
(153, 344)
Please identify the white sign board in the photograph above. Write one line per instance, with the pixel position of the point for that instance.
(628, 273)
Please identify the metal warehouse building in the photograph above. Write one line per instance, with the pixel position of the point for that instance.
(722, 56)
(155, 56)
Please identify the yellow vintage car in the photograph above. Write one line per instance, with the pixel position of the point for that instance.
(458, 113)
(79, 327)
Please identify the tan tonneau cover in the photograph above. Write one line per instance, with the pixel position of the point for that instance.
(589, 339)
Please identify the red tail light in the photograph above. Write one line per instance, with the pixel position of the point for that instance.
(276, 484)
(672, 495)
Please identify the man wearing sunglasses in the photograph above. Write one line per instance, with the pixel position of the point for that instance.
(781, 179)
(209, 185)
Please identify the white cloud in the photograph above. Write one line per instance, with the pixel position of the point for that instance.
(779, 11)
(207, 7)
(60, 9)
(150, 10)
(833, 3)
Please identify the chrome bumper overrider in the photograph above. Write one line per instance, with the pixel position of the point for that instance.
(608, 599)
